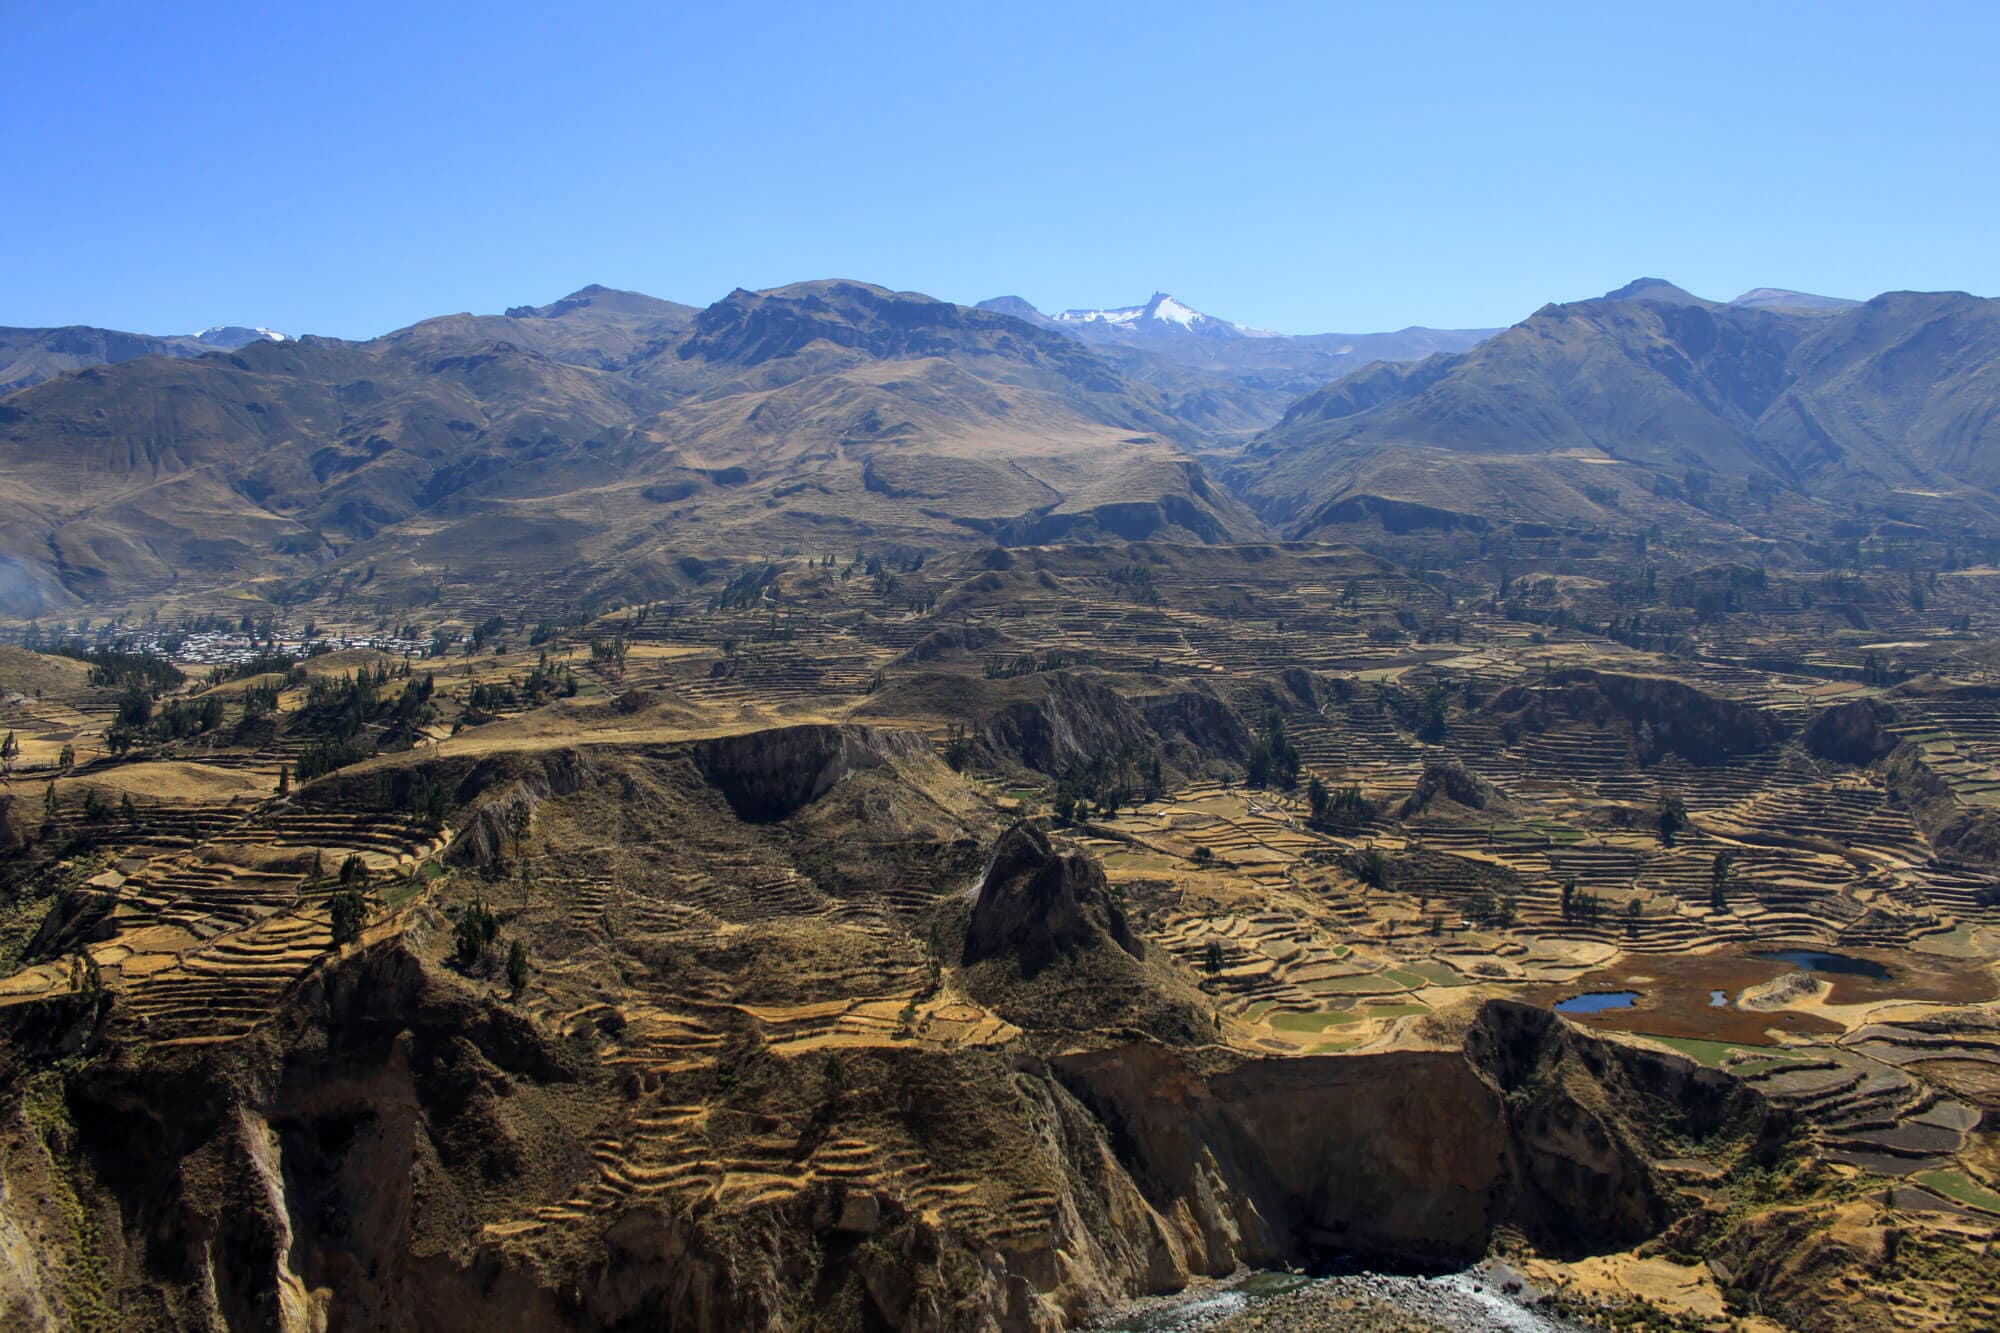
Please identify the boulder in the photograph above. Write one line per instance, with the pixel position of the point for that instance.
(1454, 782)
(1852, 733)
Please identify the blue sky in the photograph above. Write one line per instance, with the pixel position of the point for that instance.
(348, 169)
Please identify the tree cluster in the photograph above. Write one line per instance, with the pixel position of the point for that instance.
(1273, 761)
(1339, 810)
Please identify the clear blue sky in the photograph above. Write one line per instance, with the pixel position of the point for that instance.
(350, 168)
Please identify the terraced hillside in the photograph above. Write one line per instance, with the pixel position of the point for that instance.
(665, 958)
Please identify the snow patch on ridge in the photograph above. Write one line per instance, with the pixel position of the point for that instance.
(234, 332)
(1161, 314)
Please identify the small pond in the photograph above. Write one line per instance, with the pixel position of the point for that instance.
(1818, 960)
(1718, 999)
(1596, 1002)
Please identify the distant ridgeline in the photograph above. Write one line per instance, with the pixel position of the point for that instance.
(614, 446)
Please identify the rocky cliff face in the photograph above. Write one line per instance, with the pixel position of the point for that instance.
(767, 775)
(401, 1145)
(1852, 733)
(1047, 946)
(1054, 722)
(1057, 720)
(322, 1173)
(338, 1175)
(1410, 1155)
(1965, 832)
(1658, 716)
(521, 783)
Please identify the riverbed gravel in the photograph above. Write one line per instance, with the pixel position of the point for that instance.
(1469, 1302)
(1491, 1298)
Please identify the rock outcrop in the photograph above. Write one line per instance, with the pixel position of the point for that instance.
(1956, 829)
(952, 642)
(1051, 722)
(1852, 733)
(504, 786)
(337, 1174)
(1658, 716)
(1453, 781)
(767, 775)
(1038, 906)
(1404, 1155)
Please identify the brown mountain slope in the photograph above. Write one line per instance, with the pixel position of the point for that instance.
(29, 356)
(595, 326)
(1903, 390)
(1666, 385)
(582, 438)
(1222, 377)
(1900, 392)
(142, 475)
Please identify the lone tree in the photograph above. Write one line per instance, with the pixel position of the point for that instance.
(1569, 897)
(520, 822)
(84, 977)
(1673, 817)
(10, 750)
(517, 966)
(1212, 957)
(1718, 881)
(348, 909)
(833, 1072)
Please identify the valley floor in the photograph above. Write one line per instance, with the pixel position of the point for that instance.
(744, 854)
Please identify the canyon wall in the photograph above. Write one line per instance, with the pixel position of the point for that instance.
(338, 1174)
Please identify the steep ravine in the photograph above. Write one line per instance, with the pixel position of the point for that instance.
(1412, 1155)
(337, 1173)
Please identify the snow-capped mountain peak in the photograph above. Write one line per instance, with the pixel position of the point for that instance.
(1160, 315)
(233, 336)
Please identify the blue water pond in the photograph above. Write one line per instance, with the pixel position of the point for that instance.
(1818, 960)
(1597, 1001)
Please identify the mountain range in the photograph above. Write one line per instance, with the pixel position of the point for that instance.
(1589, 410)
(1222, 376)
(29, 356)
(603, 436)
(615, 441)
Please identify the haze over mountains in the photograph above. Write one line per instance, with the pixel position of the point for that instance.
(1222, 375)
(1594, 410)
(586, 442)
(576, 439)
(29, 356)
